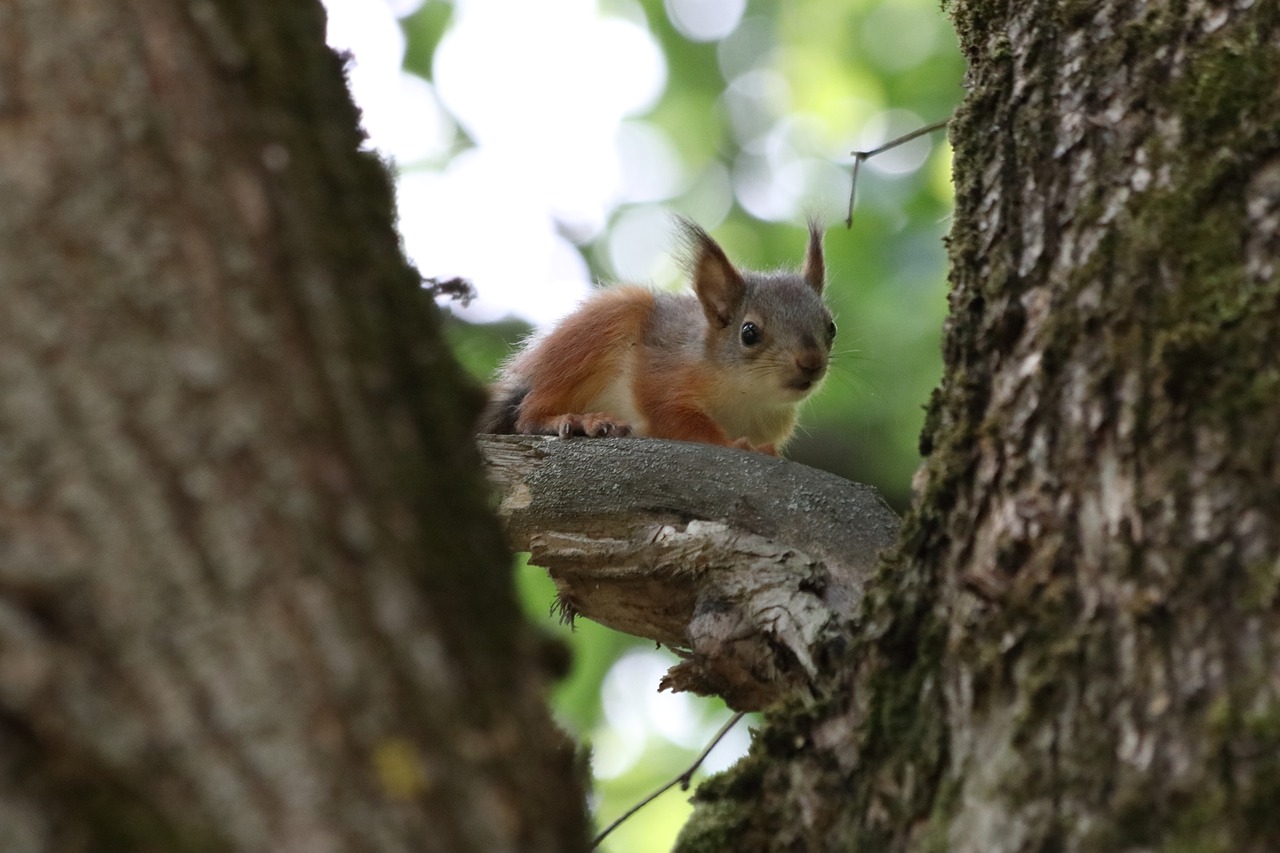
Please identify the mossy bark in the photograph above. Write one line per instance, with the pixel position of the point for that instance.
(250, 594)
(1075, 645)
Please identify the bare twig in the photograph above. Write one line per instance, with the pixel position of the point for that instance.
(859, 156)
(682, 780)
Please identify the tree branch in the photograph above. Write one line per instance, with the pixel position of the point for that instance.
(744, 564)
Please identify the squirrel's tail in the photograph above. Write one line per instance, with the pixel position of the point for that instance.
(501, 412)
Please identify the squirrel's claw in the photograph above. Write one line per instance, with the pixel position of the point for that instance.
(593, 425)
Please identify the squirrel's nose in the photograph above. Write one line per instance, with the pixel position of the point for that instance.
(811, 363)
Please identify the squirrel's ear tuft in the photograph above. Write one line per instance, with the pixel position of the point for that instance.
(717, 283)
(814, 270)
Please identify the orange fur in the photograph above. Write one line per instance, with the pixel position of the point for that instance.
(633, 361)
(575, 361)
(674, 395)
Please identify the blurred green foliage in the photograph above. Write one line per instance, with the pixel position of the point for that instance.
(846, 66)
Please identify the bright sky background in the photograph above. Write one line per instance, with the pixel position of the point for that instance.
(544, 90)
(549, 93)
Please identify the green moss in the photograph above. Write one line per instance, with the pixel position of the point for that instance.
(1194, 353)
(1258, 809)
(1077, 13)
(128, 823)
(714, 828)
(1198, 825)
(1237, 811)
(1188, 822)
(936, 836)
(1227, 83)
(726, 803)
(743, 782)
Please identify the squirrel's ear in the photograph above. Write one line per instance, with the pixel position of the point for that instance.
(814, 271)
(719, 286)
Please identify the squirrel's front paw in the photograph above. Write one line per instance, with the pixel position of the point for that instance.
(743, 444)
(594, 425)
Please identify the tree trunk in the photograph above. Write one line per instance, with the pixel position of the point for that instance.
(1075, 645)
(250, 596)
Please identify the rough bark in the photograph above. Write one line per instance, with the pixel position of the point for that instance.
(748, 566)
(249, 595)
(1075, 647)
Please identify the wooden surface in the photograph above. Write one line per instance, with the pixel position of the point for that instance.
(745, 564)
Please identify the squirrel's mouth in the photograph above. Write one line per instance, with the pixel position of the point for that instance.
(800, 384)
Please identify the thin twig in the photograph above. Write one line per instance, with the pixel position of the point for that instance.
(859, 156)
(683, 780)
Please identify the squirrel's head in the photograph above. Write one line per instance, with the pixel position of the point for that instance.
(772, 327)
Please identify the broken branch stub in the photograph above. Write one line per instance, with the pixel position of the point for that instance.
(746, 565)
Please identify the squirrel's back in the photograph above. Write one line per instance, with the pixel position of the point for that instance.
(582, 361)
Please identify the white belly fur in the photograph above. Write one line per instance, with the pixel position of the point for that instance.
(618, 400)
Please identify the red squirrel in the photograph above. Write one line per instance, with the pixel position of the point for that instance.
(728, 364)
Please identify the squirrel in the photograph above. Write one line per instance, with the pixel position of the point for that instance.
(728, 364)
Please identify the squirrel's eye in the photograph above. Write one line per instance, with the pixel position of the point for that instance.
(750, 334)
